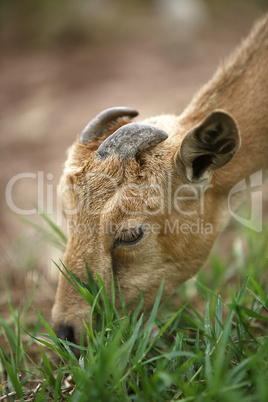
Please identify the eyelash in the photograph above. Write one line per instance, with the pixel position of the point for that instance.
(129, 236)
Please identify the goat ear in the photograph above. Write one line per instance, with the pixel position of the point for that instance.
(208, 146)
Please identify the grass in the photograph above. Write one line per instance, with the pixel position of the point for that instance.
(213, 348)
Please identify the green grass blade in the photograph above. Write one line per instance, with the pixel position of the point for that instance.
(46, 234)
(47, 326)
(207, 328)
(218, 318)
(92, 286)
(12, 374)
(106, 302)
(243, 290)
(126, 350)
(54, 227)
(163, 330)
(258, 289)
(123, 305)
(57, 388)
(47, 369)
(149, 326)
(9, 333)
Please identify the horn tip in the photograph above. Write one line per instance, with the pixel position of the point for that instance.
(96, 127)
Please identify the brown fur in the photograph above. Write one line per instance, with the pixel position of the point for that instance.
(101, 199)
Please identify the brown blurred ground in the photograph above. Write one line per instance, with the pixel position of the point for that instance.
(49, 92)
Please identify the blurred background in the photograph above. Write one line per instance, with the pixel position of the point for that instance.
(64, 61)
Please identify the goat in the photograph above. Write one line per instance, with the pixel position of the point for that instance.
(147, 199)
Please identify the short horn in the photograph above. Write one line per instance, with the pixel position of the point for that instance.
(97, 126)
(129, 140)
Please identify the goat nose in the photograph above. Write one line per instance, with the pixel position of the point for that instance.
(66, 332)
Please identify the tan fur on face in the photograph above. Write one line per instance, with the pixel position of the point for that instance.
(152, 192)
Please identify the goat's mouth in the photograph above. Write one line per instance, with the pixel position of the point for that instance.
(66, 332)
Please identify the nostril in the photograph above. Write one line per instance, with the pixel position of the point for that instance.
(66, 332)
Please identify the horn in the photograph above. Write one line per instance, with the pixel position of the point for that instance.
(129, 140)
(97, 126)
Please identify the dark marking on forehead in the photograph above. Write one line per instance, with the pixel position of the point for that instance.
(115, 266)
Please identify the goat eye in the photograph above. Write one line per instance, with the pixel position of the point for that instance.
(128, 236)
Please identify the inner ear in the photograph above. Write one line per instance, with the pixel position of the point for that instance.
(208, 146)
